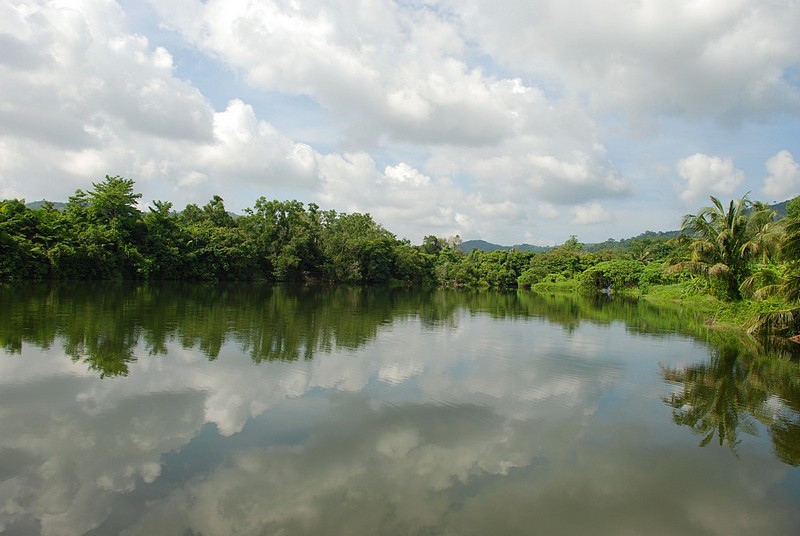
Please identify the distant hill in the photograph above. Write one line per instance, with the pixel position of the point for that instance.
(625, 242)
(470, 245)
(780, 208)
(39, 204)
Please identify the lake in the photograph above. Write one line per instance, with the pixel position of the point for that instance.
(252, 409)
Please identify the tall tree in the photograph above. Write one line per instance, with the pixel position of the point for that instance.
(720, 237)
(114, 200)
(790, 253)
(102, 234)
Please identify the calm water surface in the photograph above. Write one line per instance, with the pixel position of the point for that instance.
(251, 409)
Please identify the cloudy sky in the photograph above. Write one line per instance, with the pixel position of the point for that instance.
(512, 121)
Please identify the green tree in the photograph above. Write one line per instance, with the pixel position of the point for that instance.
(25, 236)
(617, 275)
(286, 238)
(432, 245)
(721, 244)
(102, 233)
(563, 262)
(793, 208)
(113, 200)
(412, 265)
(355, 248)
(165, 244)
(648, 249)
(214, 212)
(790, 253)
(763, 235)
(217, 248)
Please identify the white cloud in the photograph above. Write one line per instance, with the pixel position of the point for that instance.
(92, 81)
(572, 178)
(547, 210)
(130, 115)
(708, 175)
(395, 71)
(101, 101)
(414, 203)
(436, 117)
(730, 61)
(412, 82)
(783, 181)
(247, 149)
(403, 174)
(590, 214)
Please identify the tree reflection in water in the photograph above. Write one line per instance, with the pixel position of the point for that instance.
(111, 325)
(736, 388)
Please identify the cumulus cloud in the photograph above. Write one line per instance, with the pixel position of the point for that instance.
(416, 203)
(253, 150)
(784, 176)
(396, 71)
(728, 61)
(708, 175)
(92, 99)
(436, 117)
(92, 79)
(411, 82)
(404, 70)
(590, 214)
(403, 174)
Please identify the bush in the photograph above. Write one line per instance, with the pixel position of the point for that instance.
(616, 275)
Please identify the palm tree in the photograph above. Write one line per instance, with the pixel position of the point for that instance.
(764, 241)
(790, 252)
(764, 233)
(719, 246)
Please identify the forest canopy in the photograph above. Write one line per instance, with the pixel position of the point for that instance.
(733, 251)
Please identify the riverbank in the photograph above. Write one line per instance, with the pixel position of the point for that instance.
(772, 316)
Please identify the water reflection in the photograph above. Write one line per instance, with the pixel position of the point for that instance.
(103, 323)
(250, 409)
(725, 396)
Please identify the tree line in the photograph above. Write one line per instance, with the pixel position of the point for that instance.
(733, 251)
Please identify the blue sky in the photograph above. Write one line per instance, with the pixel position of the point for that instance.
(512, 121)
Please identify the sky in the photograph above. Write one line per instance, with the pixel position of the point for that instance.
(512, 121)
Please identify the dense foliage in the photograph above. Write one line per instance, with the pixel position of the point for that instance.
(102, 235)
(733, 252)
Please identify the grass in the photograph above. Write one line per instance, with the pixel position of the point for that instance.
(738, 314)
(564, 285)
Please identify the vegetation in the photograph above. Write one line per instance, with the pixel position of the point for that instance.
(737, 253)
(101, 235)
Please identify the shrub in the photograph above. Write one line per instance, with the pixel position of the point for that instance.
(616, 275)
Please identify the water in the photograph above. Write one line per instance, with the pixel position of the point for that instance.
(251, 409)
